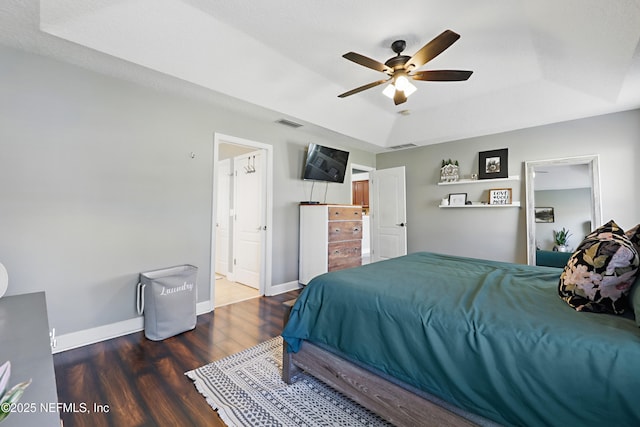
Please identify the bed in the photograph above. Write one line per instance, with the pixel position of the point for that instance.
(486, 339)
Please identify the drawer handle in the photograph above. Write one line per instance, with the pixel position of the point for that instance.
(337, 230)
(336, 252)
(356, 229)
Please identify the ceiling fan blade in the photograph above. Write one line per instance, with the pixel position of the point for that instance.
(367, 62)
(432, 49)
(361, 88)
(442, 75)
(399, 97)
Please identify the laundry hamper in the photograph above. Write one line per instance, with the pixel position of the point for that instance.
(167, 298)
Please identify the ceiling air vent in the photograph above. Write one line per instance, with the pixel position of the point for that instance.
(402, 146)
(289, 123)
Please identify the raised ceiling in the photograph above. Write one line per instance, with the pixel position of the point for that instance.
(535, 61)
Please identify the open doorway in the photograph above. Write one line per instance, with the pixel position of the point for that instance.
(360, 196)
(241, 220)
(384, 221)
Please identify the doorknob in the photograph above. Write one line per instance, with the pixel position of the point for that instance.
(402, 224)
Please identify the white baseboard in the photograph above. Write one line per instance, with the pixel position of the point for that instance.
(113, 330)
(283, 287)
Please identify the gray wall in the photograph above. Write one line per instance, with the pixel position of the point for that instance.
(98, 185)
(500, 234)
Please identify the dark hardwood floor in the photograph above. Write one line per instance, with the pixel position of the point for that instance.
(132, 381)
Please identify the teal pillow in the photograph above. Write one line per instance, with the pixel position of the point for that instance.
(600, 273)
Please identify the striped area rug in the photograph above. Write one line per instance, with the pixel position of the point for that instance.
(247, 390)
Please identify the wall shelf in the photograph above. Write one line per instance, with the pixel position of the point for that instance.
(480, 181)
(484, 205)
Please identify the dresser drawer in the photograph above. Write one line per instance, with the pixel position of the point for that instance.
(344, 264)
(330, 239)
(345, 230)
(344, 255)
(343, 213)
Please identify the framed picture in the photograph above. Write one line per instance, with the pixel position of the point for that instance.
(544, 215)
(457, 199)
(493, 164)
(500, 196)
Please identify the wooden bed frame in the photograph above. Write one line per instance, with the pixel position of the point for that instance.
(395, 404)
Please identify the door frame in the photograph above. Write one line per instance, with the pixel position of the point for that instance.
(367, 169)
(226, 221)
(362, 168)
(266, 264)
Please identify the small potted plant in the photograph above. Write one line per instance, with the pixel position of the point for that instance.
(561, 239)
(11, 396)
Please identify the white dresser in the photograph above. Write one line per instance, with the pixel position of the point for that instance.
(330, 239)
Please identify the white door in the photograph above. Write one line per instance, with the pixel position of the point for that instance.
(223, 226)
(387, 201)
(249, 217)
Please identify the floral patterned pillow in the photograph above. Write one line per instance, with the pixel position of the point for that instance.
(599, 274)
(634, 236)
(634, 296)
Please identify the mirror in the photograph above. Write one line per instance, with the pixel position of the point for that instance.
(561, 193)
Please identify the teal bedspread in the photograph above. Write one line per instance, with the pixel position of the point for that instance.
(492, 338)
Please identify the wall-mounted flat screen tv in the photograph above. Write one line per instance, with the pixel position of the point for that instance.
(325, 164)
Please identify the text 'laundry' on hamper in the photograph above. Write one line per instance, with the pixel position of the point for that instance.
(167, 298)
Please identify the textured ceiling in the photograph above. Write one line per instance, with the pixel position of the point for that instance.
(535, 61)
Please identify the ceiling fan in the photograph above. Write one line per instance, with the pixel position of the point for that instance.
(401, 68)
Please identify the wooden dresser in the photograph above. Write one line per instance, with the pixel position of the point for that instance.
(330, 239)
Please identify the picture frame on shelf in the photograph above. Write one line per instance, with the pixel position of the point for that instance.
(500, 196)
(457, 199)
(544, 215)
(493, 164)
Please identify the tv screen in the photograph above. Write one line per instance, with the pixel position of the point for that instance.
(325, 164)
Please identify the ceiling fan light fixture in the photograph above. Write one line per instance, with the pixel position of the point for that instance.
(409, 89)
(389, 91)
(401, 82)
(401, 68)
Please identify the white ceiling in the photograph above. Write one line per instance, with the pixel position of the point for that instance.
(562, 177)
(534, 61)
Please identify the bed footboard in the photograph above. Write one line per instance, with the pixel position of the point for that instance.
(395, 404)
(392, 402)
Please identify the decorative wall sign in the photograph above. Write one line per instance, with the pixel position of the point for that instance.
(500, 196)
(449, 172)
(493, 164)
